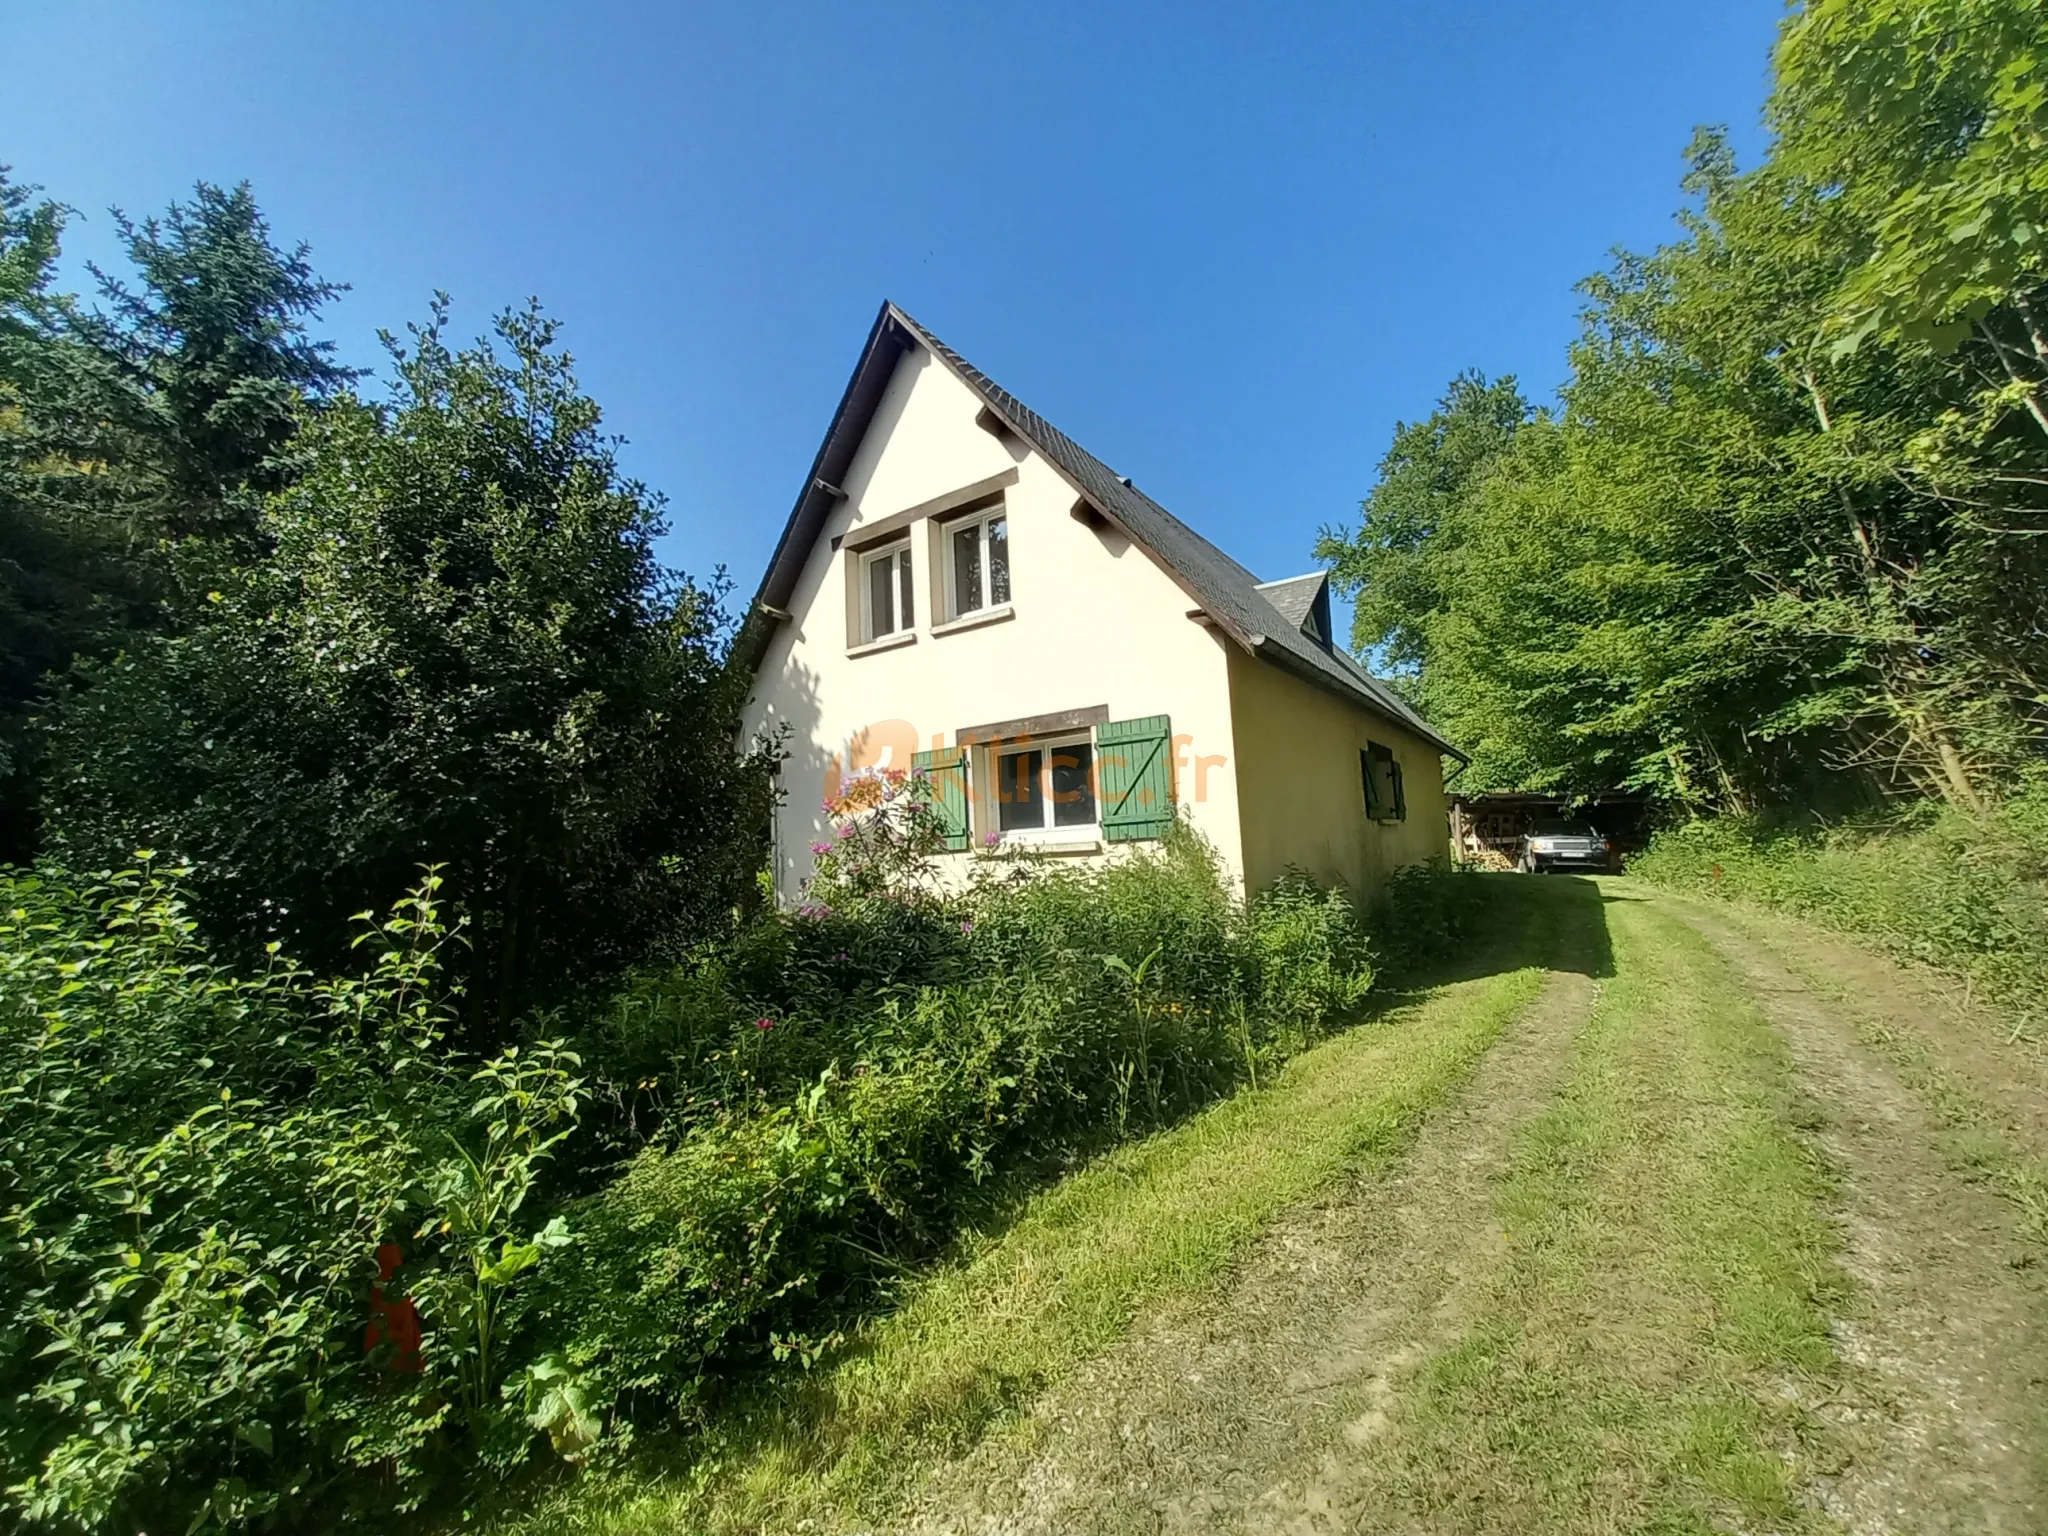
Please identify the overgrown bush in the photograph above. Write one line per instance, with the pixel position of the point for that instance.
(197, 1169)
(199, 1166)
(1963, 892)
(815, 1139)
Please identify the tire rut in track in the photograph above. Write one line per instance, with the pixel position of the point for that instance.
(1220, 1415)
(1946, 1412)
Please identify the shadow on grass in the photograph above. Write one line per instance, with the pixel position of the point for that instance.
(788, 1424)
(1554, 922)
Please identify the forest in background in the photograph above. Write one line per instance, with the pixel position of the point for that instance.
(1783, 538)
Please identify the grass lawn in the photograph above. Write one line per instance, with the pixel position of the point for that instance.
(975, 1341)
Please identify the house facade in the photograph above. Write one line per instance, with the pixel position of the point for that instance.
(964, 592)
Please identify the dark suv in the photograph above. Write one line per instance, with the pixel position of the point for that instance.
(1563, 845)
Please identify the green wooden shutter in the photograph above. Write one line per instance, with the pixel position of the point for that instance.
(1134, 763)
(1372, 789)
(944, 776)
(1400, 793)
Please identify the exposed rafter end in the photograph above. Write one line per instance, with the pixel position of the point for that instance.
(994, 426)
(770, 611)
(1086, 512)
(830, 489)
(1203, 617)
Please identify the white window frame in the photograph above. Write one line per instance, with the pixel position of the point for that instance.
(950, 584)
(1047, 830)
(900, 582)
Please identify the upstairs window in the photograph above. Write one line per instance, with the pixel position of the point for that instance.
(885, 588)
(978, 561)
(1045, 788)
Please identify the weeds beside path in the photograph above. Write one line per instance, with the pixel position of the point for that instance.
(976, 1344)
(1679, 1230)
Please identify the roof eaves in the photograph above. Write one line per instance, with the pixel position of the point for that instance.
(889, 337)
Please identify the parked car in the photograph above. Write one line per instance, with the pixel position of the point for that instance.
(1563, 845)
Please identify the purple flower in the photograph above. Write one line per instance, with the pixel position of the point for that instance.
(966, 925)
(843, 831)
(992, 839)
(819, 850)
(764, 1023)
(842, 956)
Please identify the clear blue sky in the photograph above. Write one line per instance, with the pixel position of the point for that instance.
(1224, 247)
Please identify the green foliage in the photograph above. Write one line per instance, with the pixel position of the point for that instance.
(211, 362)
(1934, 120)
(459, 648)
(199, 1163)
(1966, 893)
(1307, 953)
(1788, 524)
(809, 1137)
(124, 430)
(197, 1166)
(1412, 525)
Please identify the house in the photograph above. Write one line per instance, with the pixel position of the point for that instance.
(962, 590)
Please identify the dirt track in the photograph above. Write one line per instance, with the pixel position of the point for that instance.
(1373, 1363)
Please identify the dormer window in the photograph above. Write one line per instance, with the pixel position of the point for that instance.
(978, 564)
(885, 586)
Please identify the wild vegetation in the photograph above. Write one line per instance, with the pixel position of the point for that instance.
(1965, 892)
(596, 1225)
(1784, 537)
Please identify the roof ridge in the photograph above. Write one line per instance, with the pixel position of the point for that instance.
(1228, 592)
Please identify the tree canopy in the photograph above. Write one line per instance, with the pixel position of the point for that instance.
(1787, 522)
(457, 649)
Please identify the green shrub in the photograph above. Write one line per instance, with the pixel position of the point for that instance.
(1308, 955)
(197, 1167)
(196, 1171)
(1965, 893)
(1424, 913)
(817, 1135)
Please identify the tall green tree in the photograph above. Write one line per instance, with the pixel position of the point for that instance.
(1392, 564)
(211, 355)
(163, 414)
(1788, 524)
(458, 649)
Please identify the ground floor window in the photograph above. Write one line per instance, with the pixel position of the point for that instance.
(1045, 787)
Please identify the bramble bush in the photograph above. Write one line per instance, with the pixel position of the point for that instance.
(1964, 892)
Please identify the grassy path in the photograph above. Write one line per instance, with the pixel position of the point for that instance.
(978, 1342)
(1675, 1229)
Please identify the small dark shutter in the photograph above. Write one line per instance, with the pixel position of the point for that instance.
(1134, 762)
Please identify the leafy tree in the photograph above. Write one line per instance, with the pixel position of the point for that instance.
(459, 649)
(1411, 523)
(1789, 521)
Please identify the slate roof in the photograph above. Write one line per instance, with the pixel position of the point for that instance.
(1295, 598)
(1230, 596)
